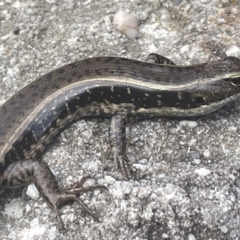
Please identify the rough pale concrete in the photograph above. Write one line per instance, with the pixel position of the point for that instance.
(191, 189)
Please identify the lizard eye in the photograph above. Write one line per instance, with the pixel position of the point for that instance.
(235, 80)
(200, 101)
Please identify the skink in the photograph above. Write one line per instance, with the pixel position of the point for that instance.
(112, 87)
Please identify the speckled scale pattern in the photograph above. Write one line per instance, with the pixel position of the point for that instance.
(21, 173)
(106, 86)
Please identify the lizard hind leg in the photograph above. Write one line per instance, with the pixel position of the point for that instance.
(66, 197)
(24, 172)
(47, 185)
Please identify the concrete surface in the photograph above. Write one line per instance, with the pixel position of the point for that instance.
(191, 189)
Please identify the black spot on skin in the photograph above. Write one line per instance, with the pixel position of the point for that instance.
(88, 61)
(62, 112)
(45, 89)
(55, 86)
(72, 104)
(4, 109)
(10, 156)
(49, 77)
(98, 59)
(60, 71)
(28, 140)
(28, 172)
(73, 65)
(87, 72)
(21, 95)
(133, 74)
(97, 72)
(18, 148)
(21, 173)
(34, 95)
(120, 70)
(33, 86)
(74, 74)
(4, 182)
(200, 101)
(108, 59)
(38, 153)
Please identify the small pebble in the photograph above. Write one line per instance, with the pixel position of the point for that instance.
(165, 18)
(233, 51)
(206, 153)
(191, 237)
(224, 229)
(32, 191)
(126, 23)
(191, 124)
(16, 31)
(202, 172)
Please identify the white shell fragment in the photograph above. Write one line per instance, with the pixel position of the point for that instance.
(32, 191)
(203, 172)
(233, 51)
(165, 18)
(191, 124)
(126, 23)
